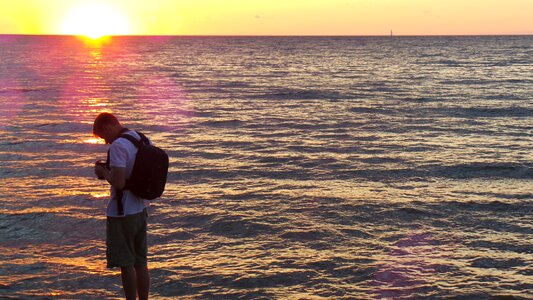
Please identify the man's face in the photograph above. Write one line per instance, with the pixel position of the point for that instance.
(106, 134)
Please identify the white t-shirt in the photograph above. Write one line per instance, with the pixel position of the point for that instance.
(122, 155)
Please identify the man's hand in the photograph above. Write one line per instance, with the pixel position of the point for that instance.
(101, 172)
(116, 177)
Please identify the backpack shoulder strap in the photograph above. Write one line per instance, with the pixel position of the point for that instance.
(144, 139)
(133, 140)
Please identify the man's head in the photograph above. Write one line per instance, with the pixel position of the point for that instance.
(107, 126)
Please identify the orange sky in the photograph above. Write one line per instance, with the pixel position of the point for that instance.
(272, 17)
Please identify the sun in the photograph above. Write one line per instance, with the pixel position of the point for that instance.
(95, 21)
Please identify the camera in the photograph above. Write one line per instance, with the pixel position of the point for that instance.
(102, 163)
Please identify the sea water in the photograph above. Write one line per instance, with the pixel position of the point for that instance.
(301, 167)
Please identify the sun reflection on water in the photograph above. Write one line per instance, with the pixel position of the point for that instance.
(94, 141)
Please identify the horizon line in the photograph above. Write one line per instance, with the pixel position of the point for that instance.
(267, 35)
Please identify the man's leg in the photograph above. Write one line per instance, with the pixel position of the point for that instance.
(129, 282)
(143, 281)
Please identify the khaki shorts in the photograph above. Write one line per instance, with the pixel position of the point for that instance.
(126, 240)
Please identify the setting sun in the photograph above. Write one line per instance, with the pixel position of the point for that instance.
(95, 21)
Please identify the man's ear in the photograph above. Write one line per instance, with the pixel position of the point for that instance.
(106, 128)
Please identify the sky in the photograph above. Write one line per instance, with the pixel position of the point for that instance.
(267, 17)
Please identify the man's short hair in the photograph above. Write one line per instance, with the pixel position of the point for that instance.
(103, 120)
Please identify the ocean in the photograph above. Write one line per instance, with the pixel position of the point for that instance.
(300, 167)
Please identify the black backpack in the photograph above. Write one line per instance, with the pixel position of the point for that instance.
(149, 174)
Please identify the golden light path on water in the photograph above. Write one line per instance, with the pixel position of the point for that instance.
(300, 167)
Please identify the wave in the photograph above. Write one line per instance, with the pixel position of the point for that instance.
(498, 246)
(484, 81)
(303, 125)
(223, 123)
(496, 112)
(510, 196)
(234, 84)
(371, 110)
(420, 99)
(466, 82)
(310, 235)
(236, 226)
(448, 62)
(310, 170)
(21, 90)
(64, 127)
(481, 112)
(287, 278)
(428, 173)
(301, 94)
(486, 170)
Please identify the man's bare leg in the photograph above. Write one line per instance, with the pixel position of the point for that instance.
(129, 282)
(143, 282)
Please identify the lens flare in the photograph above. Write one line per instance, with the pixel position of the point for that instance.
(164, 101)
(12, 100)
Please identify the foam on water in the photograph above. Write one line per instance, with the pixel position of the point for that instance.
(341, 168)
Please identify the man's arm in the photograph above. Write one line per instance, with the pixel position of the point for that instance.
(117, 178)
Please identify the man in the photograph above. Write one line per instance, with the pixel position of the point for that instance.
(126, 231)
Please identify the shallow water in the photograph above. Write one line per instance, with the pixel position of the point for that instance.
(302, 168)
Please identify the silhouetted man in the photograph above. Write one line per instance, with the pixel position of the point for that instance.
(126, 213)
